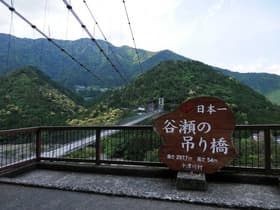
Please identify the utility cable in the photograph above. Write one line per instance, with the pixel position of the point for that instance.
(12, 9)
(69, 7)
(132, 35)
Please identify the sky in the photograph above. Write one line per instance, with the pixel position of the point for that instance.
(239, 35)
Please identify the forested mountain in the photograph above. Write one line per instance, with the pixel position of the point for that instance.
(266, 84)
(19, 52)
(49, 59)
(29, 98)
(178, 81)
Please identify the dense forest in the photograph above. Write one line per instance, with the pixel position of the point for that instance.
(178, 81)
(39, 53)
(28, 97)
(58, 66)
(266, 84)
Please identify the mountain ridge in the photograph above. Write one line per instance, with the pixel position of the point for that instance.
(59, 67)
(264, 83)
(178, 81)
(28, 97)
(39, 53)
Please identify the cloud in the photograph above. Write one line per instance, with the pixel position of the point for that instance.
(215, 8)
(274, 68)
(231, 34)
(257, 67)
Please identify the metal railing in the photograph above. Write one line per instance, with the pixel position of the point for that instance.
(134, 145)
(257, 146)
(18, 146)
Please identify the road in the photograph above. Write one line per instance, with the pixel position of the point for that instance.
(15, 197)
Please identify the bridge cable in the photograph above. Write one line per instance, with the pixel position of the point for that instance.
(11, 8)
(69, 7)
(132, 35)
(102, 33)
(67, 25)
(107, 42)
(44, 26)
(10, 35)
(64, 65)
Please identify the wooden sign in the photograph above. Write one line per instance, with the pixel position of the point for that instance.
(197, 136)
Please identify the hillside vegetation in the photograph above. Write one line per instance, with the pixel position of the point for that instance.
(50, 60)
(28, 97)
(266, 84)
(179, 81)
(43, 55)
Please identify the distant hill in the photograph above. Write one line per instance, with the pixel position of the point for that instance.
(178, 81)
(266, 84)
(165, 55)
(43, 55)
(40, 53)
(29, 98)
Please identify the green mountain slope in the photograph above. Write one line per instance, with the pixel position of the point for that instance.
(178, 81)
(43, 55)
(266, 84)
(30, 98)
(40, 53)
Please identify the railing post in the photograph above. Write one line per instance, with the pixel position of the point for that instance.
(267, 146)
(38, 144)
(97, 146)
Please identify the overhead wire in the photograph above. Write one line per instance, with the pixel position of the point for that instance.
(95, 21)
(134, 90)
(44, 25)
(67, 25)
(94, 25)
(109, 46)
(69, 7)
(12, 9)
(64, 64)
(132, 35)
(102, 33)
(10, 35)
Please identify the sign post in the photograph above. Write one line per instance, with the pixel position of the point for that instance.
(197, 136)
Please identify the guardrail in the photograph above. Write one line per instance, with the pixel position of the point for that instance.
(258, 146)
(18, 147)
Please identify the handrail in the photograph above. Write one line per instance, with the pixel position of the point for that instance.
(56, 142)
(19, 130)
(32, 129)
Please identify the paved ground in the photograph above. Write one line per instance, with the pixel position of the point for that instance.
(15, 197)
(228, 195)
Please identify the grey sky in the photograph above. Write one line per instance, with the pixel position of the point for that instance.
(241, 35)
